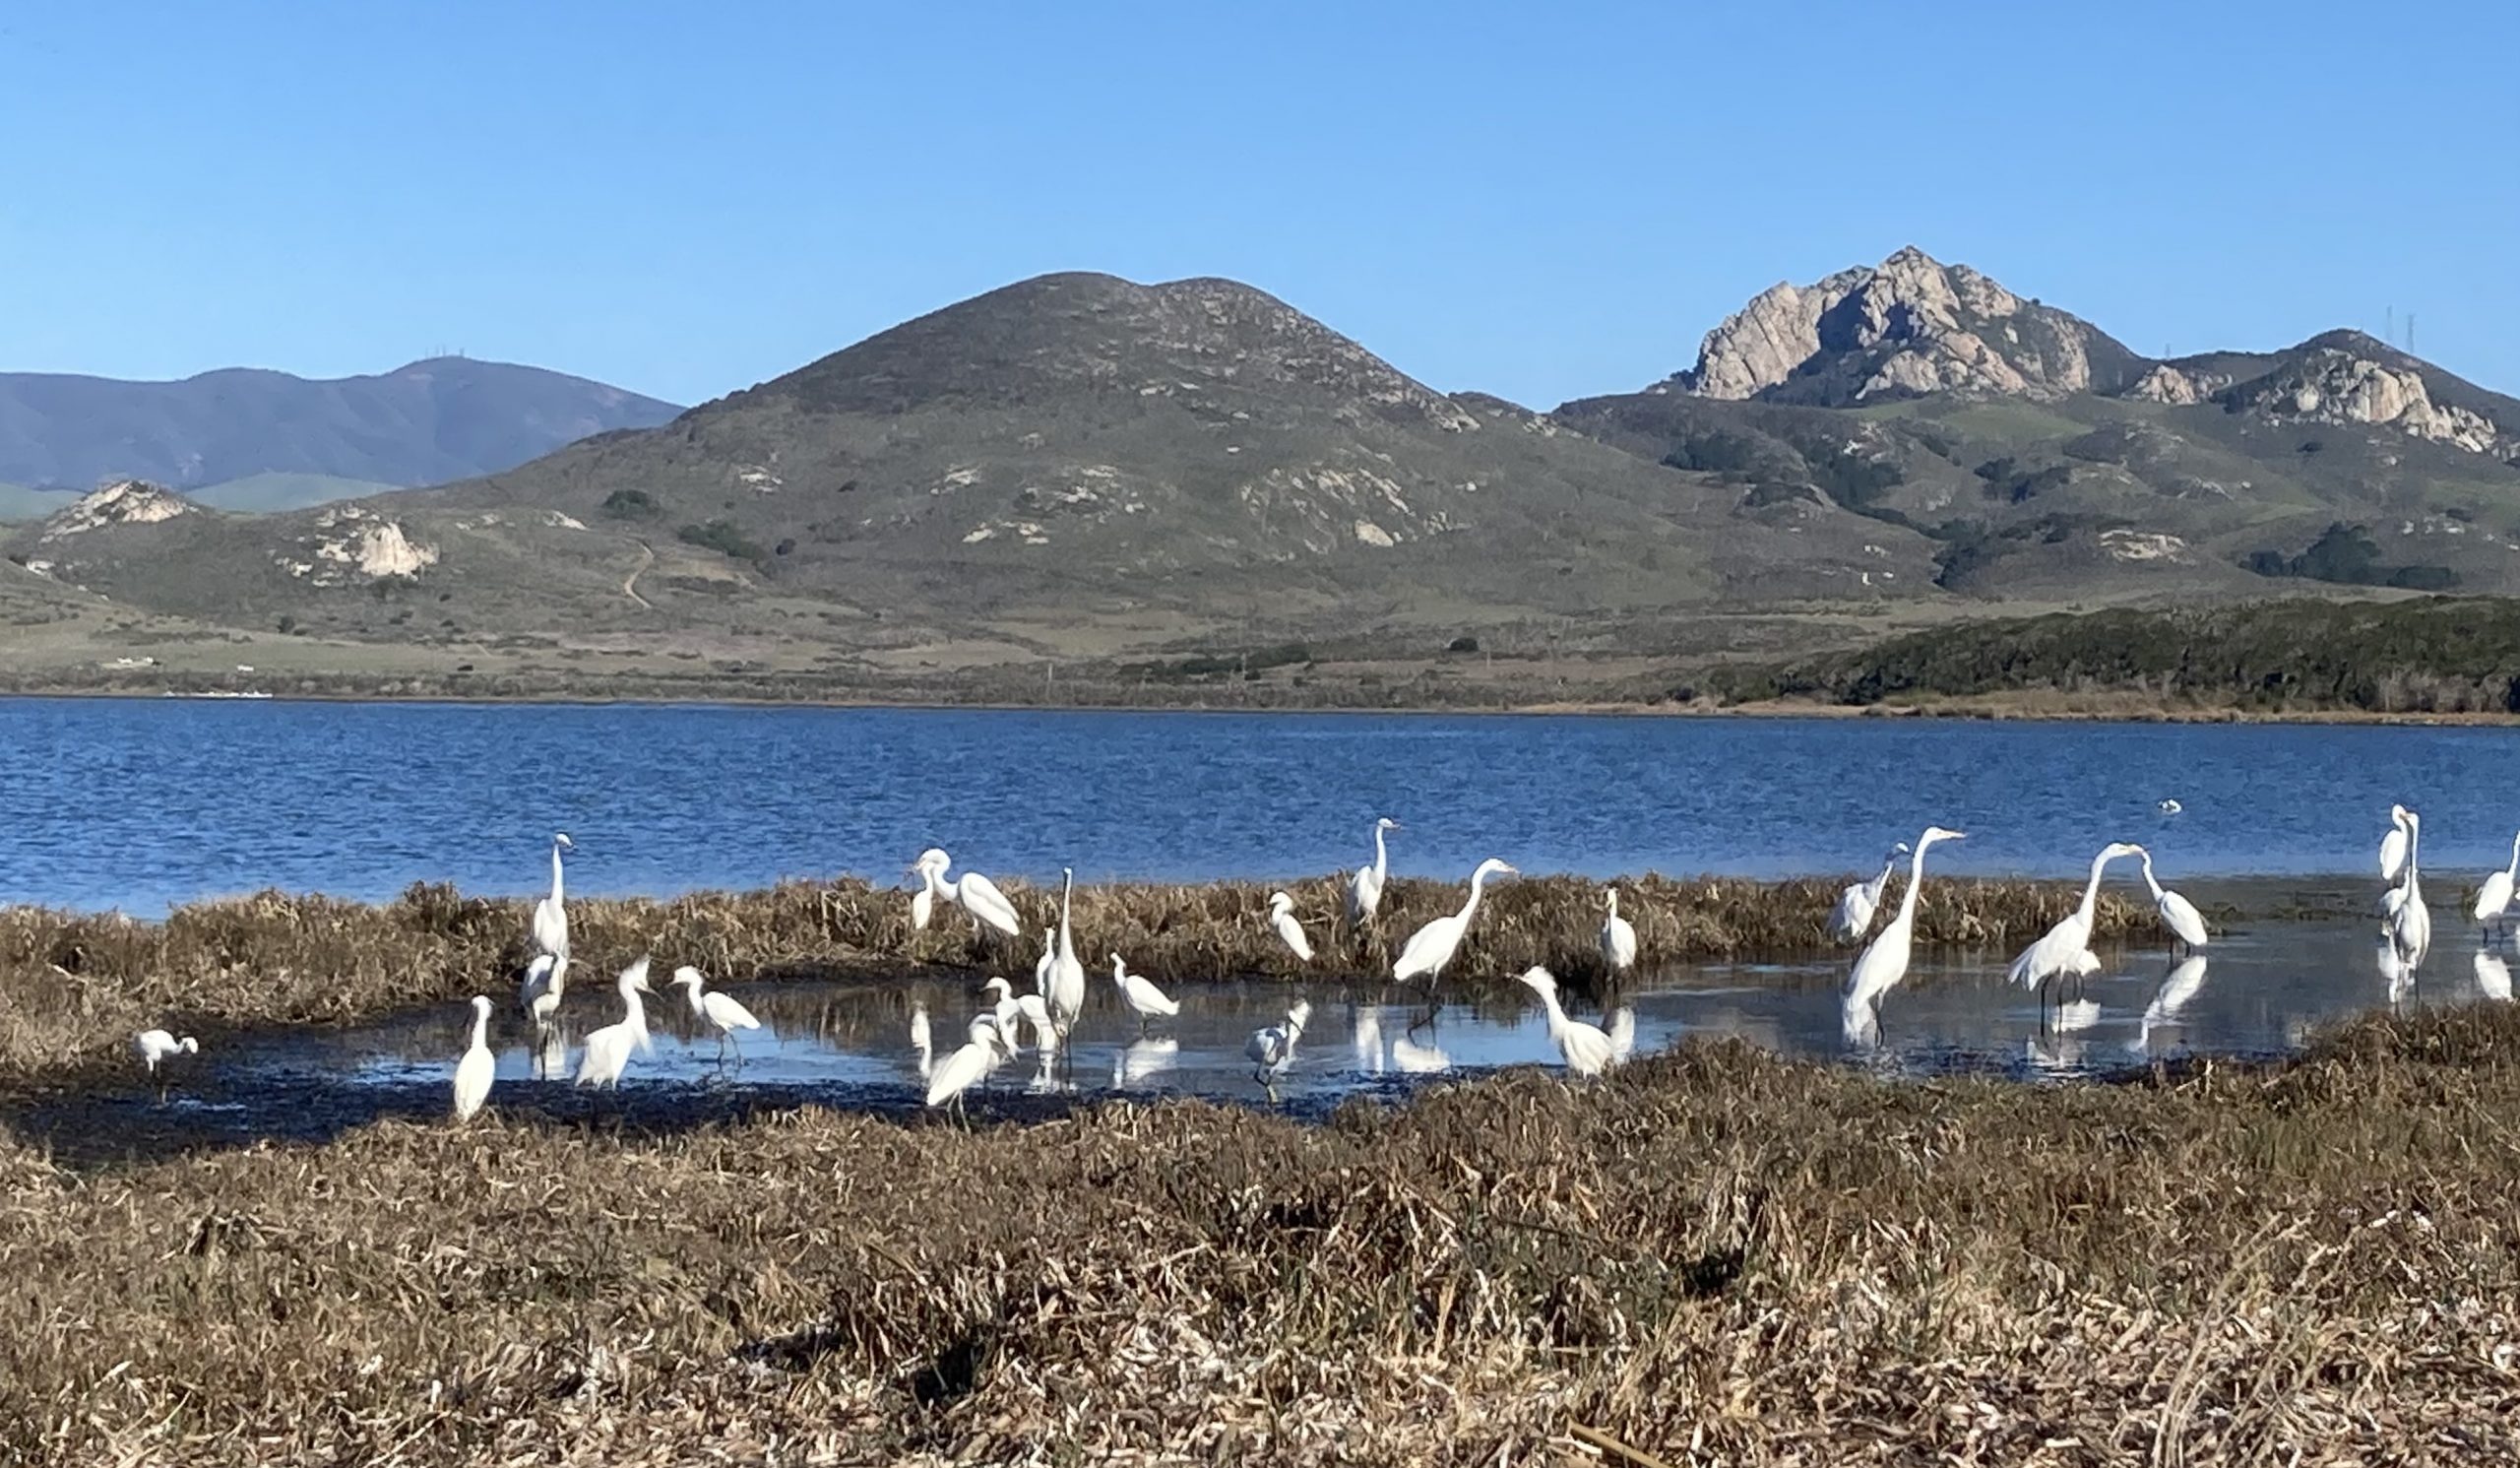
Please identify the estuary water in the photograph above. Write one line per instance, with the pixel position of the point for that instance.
(143, 804)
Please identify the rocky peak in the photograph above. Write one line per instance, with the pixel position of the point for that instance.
(1910, 325)
(2334, 384)
(122, 502)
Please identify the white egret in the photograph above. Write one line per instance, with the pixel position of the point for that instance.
(1139, 993)
(2411, 928)
(1002, 1006)
(546, 979)
(1144, 1058)
(970, 1063)
(1066, 989)
(1587, 1049)
(1619, 939)
(1857, 905)
(2393, 971)
(972, 892)
(157, 1046)
(1041, 964)
(722, 1010)
(1884, 961)
(1272, 1050)
(1408, 1057)
(1364, 889)
(607, 1051)
(920, 1041)
(2393, 845)
(551, 917)
(2178, 914)
(1035, 1011)
(2056, 952)
(2494, 976)
(2493, 899)
(1433, 946)
(473, 1073)
(1282, 921)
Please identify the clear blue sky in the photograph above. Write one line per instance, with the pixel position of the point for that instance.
(1541, 201)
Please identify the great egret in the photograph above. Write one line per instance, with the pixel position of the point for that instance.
(2056, 953)
(1066, 989)
(1282, 921)
(2411, 928)
(473, 1073)
(1364, 889)
(1587, 1049)
(972, 892)
(607, 1050)
(2393, 845)
(721, 1010)
(2494, 976)
(2178, 913)
(157, 1046)
(1857, 905)
(1139, 993)
(920, 1041)
(1433, 946)
(1619, 939)
(1272, 1050)
(970, 1063)
(551, 917)
(1884, 961)
(2493, 899)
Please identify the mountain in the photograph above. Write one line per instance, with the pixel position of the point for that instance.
(425, 423)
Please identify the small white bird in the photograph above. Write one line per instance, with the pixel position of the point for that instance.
(2494, 898)
(2170, 807)
(1587, 1049)
(1282, 921)
(920, 1041)
(972, 892)
(2178, 913)
(1618, 939)
(1271, 1051)
(473, 1073)
(1853, 916)
(607, 1051)
(158, 1046)
(1364, 889)
(1141, 995)
(970, 1063)
(545, 978)
(550, 915)
(1433, 945)
(721, 1010)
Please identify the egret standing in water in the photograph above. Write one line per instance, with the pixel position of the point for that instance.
(1433, 946)
(1066, 991)
(607, 1051)
(2179, 915)
(722, 1011)
(2410, 926)
(2058, 952)
(1364, 889)
(157, 1048)
(1619, 940)
(473, 1073)
(1853, 916)
(972, 892)
(1282, 921)
(1884, 962)
(1139, 993)
(550, 915)
(969, 1064)
(1273, 1051)
(2494, 898)
(1588, 1049)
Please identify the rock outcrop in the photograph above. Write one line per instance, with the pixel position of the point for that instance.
(2178, 387)
(2328, 385)
(123, 502)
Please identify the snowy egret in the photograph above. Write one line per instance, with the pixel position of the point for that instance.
(920, 1041)
(473, 1073)
(1586, 1048)
(972, 892)
(1066, 989)
(1364, 889)
(1282, 921)
(1853, 916)
(969, 1064)
(722, 1011)
(551, 917)
(2179, 913)
(2493, 899)
(607, 1051)
(1618, 939)
(1139, 993)
(1433, 946)
(1271, 1051)
(157, 1046)
(1884, 961)
(2056, 952)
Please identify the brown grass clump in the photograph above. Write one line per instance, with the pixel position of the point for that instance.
(1719, 1256)
(73, 988)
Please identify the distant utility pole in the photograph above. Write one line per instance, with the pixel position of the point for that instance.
(2389, 332)
(2410, 334)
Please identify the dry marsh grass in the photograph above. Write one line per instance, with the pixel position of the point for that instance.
(1719, 1256)
(73, 986)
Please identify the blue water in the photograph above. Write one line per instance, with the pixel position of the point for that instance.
(142, 803)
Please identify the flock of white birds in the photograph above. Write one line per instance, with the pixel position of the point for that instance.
(996, 1033)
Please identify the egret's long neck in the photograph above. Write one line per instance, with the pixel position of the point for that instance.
(1614, 902)
(480, 1027)
(1557, 1013)
(2513, 870)
(2149, 881)
(2414, 847)
(1915, 879)
(2091, 889)
(1067, 896)
(1477, 881)
(637, 1017)
(555, 871)
(1382, 859)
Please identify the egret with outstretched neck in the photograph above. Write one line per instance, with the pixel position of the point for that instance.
(1364, 889)
(2056, 953)
(2185, 924)
(551, 914)
(2411, 928)
(473, 1073)
(607, 1051)
(1619, 940)
(1282, 921)
(1588, 1049)
(722, 1011)
(1066, 991)
(1433, 946)
(1884, 961)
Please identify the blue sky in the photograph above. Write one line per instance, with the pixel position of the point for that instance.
(1540, 201)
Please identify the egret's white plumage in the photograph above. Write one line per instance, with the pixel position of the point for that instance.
(473, 1073)
(2170, 807)
(2494, 976)
(1884, 961)
(1066, 990)
(1433, 946)
(972, 892)
(1035, 1011)
(2411, 925)
(2178, 913)
(1041, 964)
(538, 996)
(1858, 905)
(1619, 939)
(970, 1063)
(607, 1051)
(2053, 955)
(1002, 1007)
(920, 1041)
(551, 914)
(1272, 1050)
(1587, 1049)
(722, 1011)
(1282, 921)
(2494, 898)
(157, 1046)
(1622, 1029)
(1139, 993)
(1364, 889)
(2393, 845)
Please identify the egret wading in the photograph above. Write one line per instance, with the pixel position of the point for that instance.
(1066, 991)
(2178, 914)
(2493, 897)
(2411, 928)
(473, 1073)
(157, 1048)
(1858, 905)
(1884, 961)
(1618, 939)
(1271, 1051)
(1433, 946)
(550, 915)
(1282, 921)
(969, 1064)
(1145, 1001)
(1588, 1049)
(607, 1051)
(1364, 889)
(2058, 952)
(722, 1011)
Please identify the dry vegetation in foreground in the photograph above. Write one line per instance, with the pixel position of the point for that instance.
(73, 988)
(1719, 1256)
